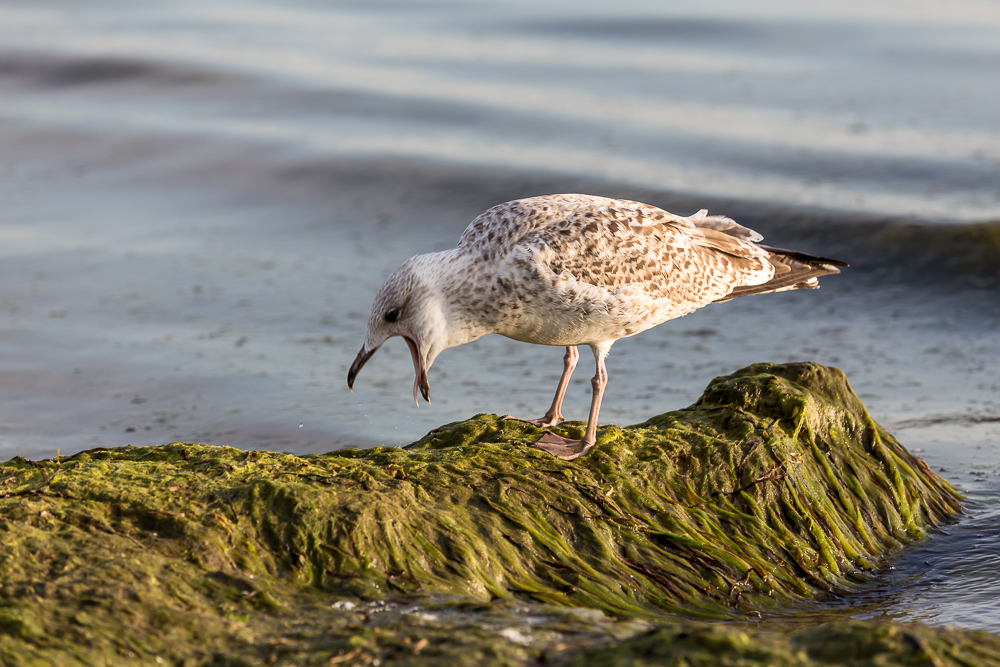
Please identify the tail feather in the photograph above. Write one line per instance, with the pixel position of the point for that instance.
(792, 270)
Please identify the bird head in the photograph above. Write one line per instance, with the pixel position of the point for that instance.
(407, 306)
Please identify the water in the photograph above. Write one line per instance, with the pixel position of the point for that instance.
(198, 201)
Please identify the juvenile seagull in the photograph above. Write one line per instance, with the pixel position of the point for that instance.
(572, 270)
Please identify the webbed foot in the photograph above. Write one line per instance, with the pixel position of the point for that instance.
(563, 448)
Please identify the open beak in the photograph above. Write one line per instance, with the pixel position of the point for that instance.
(419, 381)
(420, 373)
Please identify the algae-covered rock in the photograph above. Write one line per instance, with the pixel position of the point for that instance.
(775, 487)
(848, 644)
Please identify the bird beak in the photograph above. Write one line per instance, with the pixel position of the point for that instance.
(425, 387)
(419, 382)
(359, 361)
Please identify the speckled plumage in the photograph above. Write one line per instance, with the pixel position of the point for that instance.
(572, 270)
(576, 269)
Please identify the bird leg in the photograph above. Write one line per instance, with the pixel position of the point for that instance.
(554, 414)
(565, 448)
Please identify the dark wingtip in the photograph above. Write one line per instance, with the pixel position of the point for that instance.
(804, 257)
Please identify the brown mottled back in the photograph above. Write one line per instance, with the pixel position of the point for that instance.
(614, 244)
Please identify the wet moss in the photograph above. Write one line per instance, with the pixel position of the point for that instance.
(852, 643)
(774, 488)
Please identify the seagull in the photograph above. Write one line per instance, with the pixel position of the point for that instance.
(568, 270)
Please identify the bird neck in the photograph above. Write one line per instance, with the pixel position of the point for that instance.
(449, 276)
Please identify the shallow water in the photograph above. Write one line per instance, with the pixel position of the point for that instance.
(197, 203)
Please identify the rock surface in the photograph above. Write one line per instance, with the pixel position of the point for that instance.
(775, 488)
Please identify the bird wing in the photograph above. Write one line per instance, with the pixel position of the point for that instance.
(615, 244)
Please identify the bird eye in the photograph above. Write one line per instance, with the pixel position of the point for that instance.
(392, 315)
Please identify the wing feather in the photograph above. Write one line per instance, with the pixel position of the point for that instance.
(618, 244)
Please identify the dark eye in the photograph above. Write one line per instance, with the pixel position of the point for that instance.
(392, 315)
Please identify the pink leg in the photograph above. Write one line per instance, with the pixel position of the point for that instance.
(554, 414)
(565, 448)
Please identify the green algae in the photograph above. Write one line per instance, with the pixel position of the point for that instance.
(775, 488)
(853, 643)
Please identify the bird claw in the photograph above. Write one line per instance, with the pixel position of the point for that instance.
(541, 422)
(561, 447)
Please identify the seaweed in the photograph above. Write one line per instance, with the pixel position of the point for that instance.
(776, 487)
(848, 643)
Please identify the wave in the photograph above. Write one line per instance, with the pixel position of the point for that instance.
(52, 70)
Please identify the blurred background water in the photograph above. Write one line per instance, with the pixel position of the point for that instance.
(198, 201)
